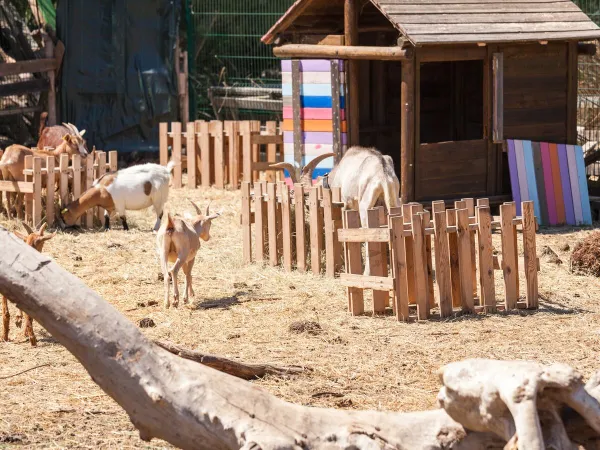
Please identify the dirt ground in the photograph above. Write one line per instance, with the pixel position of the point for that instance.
(245, 311)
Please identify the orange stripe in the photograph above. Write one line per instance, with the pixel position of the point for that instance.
(558, 194)
(313, 125)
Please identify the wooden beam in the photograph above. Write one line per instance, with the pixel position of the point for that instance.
(49, 53)
(15, 111)
(24, 87)
(572, 74)
(498, 99)
(31, 66)
(351, 52)
(584, 49)
(407, 130)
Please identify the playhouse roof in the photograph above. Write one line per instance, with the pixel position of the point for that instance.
(425, 22)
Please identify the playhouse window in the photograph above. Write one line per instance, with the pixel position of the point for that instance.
(451, 103)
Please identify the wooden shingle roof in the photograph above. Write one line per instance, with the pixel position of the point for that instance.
(425, 22)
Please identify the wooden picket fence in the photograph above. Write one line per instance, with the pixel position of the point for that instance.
(46, 182)
(410, 250)
(221, 153)
(457, 243)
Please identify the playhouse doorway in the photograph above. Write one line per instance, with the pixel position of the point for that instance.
(451, 151)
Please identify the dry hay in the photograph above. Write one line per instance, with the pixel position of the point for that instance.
(245, 312)
(586, 255)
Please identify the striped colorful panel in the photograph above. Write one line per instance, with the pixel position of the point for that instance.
(583, 187)
(325, 164)
(539, 181)
(531, 182)
(574, 185)
(314, 102)
(312, 77)
(514, 174)
(311, 149)
(548, 186)
(313, 125)
(561, 217)
(313, 90)
(566, 184)
(313, 113)
(311, 65)
(313, 137)
(521, 171)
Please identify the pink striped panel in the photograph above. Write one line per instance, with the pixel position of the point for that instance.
(547, 166)
(312, 113)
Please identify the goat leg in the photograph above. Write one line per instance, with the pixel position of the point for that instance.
(174, 271)
(106, 220)
(29, 330)
(5, 319)
(124, 222)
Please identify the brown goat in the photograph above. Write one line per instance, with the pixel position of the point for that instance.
(52, 137)
(35, 239)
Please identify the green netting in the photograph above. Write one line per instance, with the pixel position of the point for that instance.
(227, 52)
(589, 68)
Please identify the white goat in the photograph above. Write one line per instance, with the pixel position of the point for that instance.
(178, 241)
(364, 176)
(133, 188)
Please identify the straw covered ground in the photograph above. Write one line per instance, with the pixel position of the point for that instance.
(246, 312)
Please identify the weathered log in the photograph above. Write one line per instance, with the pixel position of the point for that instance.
(344, 52)
(190, 405)
(238, 369)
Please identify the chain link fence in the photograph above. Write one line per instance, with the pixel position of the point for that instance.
(233, 75)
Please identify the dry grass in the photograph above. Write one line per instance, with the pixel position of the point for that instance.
(246, 312)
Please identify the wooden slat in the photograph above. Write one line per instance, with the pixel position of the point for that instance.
(498, 97)
(407, 138)
(163, 143)
(364, 235)
(76, 165)
(21, 187)
(27, 197)
(264, 139)
(37, 191)
(89, 180)
(464, 257)
(329, 233)
(336, 88)
(486, 258)
(272, 223)
(410, 262)
(205, 157)
(530, 256)
(489, 28)
(234, 153)
(259, 225)
(64, 176)
(428, 259)
(300, 228)
(572, 81)
(375, 255)
(481, 7)
(316, 229)
(442, 264)
(420, 267)
(216, 131)
(50, 212)
(398, 258)
(296, 107)
(504, 37)
(509, 256)
(31, 66)
(246, 223)
(190, 146)
(24, 87)
(378, 284)
(356, 304)
(279, 222)
(176, 154)
(286, 226)
(271, 129)
(470, 205)
(532, 17)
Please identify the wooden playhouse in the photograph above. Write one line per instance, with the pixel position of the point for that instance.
(436, 84)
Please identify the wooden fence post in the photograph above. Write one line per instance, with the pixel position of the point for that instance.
(316, 229)
(486, 259)
(300, 227)
(163, 143)
(442, 263)
(246, 150)
(259, 236)
(28, 198)
(410, 260)
(375, 256)
(233, 131)
(50, 184)
(286, 224)
(246, 223)
(76, 165)
(190, 146)
(529, 247)
(464, 257)
(356, 304)
(176, 154)
(509, 256)
(37, 191)
(330, 257)
(216, 131)
(255, 127)
(336, 213)
(470, 205)
(420, 269)
(89, 180)
(272, 223)
(101, 161)
(398, 259)
(428, 259)
(454, 263)
(205, 158)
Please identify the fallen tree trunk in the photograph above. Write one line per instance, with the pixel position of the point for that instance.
(185, 403)
(237, 369)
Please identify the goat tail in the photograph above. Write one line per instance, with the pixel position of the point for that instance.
(171, 164)
(43, 118)
(389, 197)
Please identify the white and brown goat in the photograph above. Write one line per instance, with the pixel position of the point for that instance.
(133, 188)
(178, 242)
(35, 239)
(364, 175)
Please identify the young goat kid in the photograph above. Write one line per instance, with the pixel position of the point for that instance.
(178, 241)
(133, 188)
(35, 239)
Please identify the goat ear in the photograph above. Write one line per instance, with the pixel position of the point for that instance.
(19, 235)
(27, 228)
(66, 137)
(198, 210)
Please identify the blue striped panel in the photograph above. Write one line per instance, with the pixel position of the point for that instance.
(531, 183)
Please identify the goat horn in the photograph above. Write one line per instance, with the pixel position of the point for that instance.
(27, 228)
(198, 210)
(69, 127)
(42, 229)
(208, 208)
(48, 236)
(308, 169)
(287, 166)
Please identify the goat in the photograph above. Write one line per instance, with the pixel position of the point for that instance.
(178, 241)
(35, 239)
(364, 175)
(133, 188)
(52, 137)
